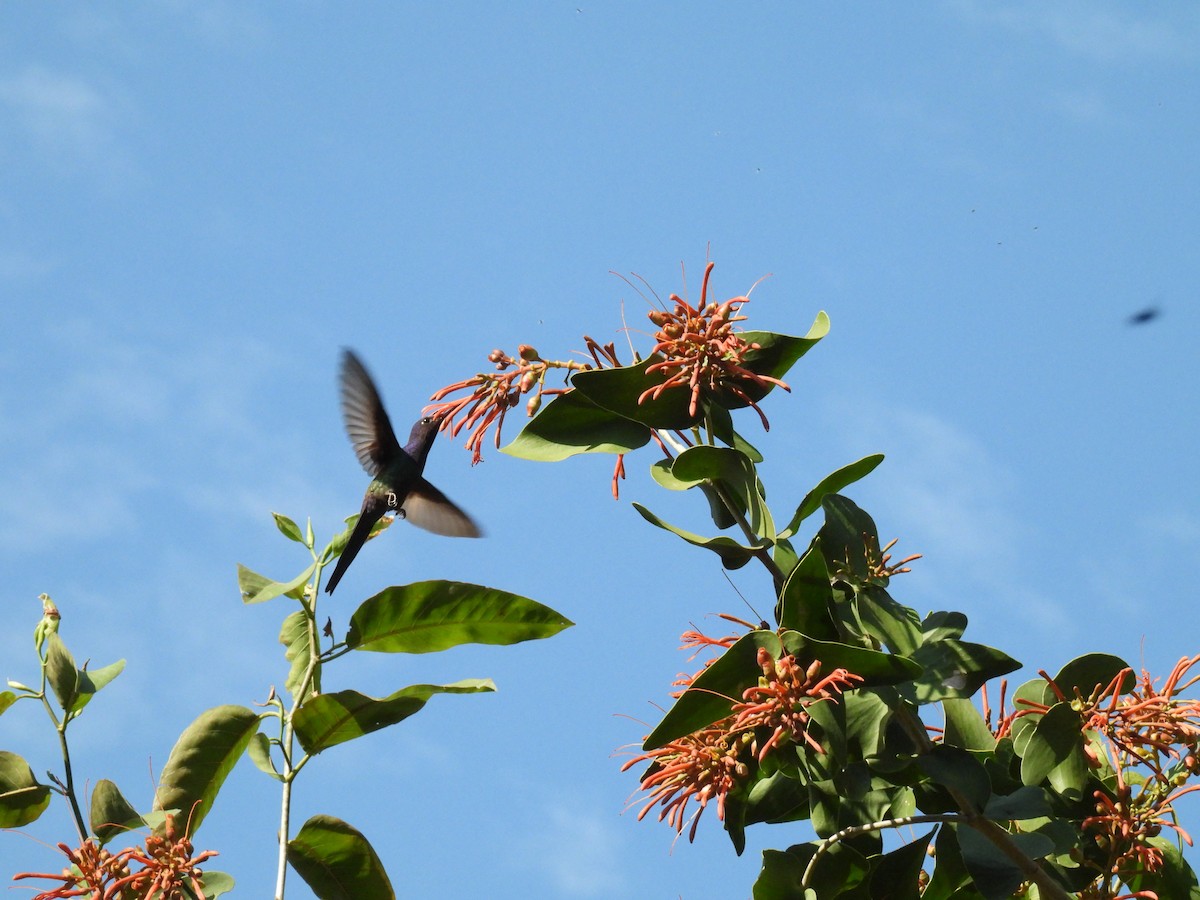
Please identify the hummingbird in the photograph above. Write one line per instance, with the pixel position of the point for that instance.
(397, 483)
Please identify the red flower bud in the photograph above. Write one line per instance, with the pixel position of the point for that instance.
(532, 406)
(527, 353)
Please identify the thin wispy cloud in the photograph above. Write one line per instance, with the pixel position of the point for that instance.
(579, 853)
(60, 120)
(1103, 32)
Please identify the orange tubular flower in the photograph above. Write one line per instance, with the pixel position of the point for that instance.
(702, 351)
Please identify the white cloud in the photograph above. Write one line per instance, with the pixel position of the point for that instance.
(67, 122)
(579, 852)
(1104, 32)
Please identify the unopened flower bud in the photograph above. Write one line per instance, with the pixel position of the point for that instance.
(514, 397)
(673, 330)
(496, 356)
(658, 317)
(528, 380)
(533, 405)
(527, 353)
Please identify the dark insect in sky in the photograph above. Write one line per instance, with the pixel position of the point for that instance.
(1149, 314)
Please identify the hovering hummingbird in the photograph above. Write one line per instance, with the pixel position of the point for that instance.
(397, 483)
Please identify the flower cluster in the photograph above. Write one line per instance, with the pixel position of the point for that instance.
(1149, 738)
(492, 394)
(708, 764)
(170, 869)
(702, 351)
(697, 348)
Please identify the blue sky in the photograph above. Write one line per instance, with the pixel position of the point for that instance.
(201, 203)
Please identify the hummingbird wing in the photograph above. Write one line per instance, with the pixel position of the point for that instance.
(367, 421)
(428, 508)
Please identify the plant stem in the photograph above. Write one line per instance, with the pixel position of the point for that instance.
(287, 742)
(761, 552)
(70, 782)
(829, 842)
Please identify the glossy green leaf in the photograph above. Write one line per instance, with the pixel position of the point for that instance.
(111, 815)
(938, 626)
(288, 528)
(956, 669)
(571, 424)
(894, 625)
(837, 874)
(296, 639)
(257, 588)
(433, 615)
(712, 695)
(847, 536)
(259, 751)
(722, 517)
(1024, 803)
(958, 770)
(994, 874)
(1057, 734)
(733, 555)
(874, 667)
(719, 423)
(1174, 879)
(202, 758)
(730, 473)
(895, 875)
(337, 862)
(7, 699)
(806, 596)
(74, 687)
(330, 719)
(965, 726)
(831, 484)
(950, 873)
(216, 883)
(1091, 671)
(22, 799)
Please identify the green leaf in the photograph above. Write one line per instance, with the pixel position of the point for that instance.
(329, 719)
(895, 875)
(259, 751)
(938, 626)
(950, 874)
(712, 695)
(955, 669)
(7, 699)
(288, 528)
(720, 424)
(337, 862)
(891, 623)
(965, 726)
(22, 799)
(831, 484)
(806, 596)
(1174, 879)
(433, 615)
(571, 424)
(1024, 803)
(216, 883)
(874, 667)
(74, 687)
(733, 555)
(335, 547)
(294, 635)
(257, 588)
(730, 471)
(958, 770)
(1091, 671)
(1056, 736)
(848, 536)
(111, 814)
(994, 874)
(202, 758)
(617, 390)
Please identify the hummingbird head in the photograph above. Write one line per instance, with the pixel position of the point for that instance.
(420, 439)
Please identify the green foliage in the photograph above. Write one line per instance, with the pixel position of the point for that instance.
(337, 861)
